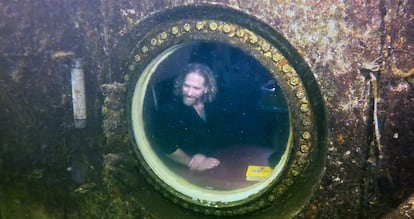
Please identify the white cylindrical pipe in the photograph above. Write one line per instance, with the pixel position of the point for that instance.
(78, 94)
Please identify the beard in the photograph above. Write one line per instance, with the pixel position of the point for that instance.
(189, 101)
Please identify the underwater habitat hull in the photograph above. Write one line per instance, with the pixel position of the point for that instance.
(345, 70)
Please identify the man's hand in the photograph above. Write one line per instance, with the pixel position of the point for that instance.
(195, 161)
(200, 162)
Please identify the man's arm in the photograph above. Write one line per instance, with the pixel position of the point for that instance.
(198, 162)
(180, 157)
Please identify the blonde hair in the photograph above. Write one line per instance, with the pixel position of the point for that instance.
(205, 72)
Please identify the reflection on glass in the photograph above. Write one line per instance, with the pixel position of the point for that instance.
(216, 117)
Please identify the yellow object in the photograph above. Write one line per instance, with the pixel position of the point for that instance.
(257, 173)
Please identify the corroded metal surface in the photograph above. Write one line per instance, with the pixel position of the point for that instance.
(335, 38)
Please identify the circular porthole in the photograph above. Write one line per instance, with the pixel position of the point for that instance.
(269, 113)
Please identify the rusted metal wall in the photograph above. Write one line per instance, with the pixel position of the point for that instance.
(351, 47)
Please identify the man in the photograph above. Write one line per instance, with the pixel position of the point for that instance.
(187, 132)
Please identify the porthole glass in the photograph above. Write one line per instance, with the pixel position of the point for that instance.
(249, 134)
(248, 125)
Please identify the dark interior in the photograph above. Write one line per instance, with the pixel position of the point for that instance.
(255, 114)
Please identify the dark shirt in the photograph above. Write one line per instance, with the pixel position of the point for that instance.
(179, 126)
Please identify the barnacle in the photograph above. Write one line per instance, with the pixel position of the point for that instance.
(373, 66)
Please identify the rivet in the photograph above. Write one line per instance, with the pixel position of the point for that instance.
(306, 135)
(253, 39)
(277, 57)
(174, 30)
(306, 122)
(240, 32)
(288, 182)
(144, 49)
(187, 27)
(281, 189)
(131, 67)
(286, 68)
(137, 58)
(294, 81)
(265, 47)
(213, 26)
(153, 42)
(199, 25)
(304, 108)
(261, 203)
(304, 148)
(300, 94)
(295, 172)
(164, 35)
(226, 28)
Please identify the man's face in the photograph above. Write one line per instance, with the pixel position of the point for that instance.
(193, 89)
